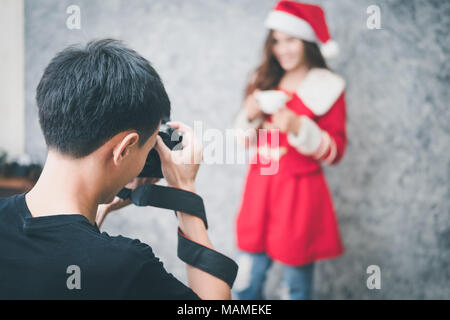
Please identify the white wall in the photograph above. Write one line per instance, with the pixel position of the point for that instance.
(12, 98)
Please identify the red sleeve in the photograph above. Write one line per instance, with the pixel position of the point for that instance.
(334, 135)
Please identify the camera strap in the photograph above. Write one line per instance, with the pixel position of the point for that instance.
(190, 252)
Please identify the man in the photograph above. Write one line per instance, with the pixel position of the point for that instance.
(100, 108)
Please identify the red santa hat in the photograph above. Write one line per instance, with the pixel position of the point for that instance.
(304, 21)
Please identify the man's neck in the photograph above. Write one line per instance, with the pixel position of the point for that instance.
(62, 189)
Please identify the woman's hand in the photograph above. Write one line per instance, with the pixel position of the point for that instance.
(118, 203)
(286, 120)
(251, 104)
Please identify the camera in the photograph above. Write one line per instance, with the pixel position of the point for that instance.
(172, 139)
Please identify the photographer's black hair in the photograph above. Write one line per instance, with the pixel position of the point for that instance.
(89, 94)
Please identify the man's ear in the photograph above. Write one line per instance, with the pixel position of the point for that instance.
(124, 146)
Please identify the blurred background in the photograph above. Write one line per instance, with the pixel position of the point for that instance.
(391, 191)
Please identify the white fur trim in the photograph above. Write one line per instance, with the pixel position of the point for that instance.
(308, 139)
(330, 49)
(245, 130)
(324, 146)
(242, 122)
(288, 23)
(320, 90)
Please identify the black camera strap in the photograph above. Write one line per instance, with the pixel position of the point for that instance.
(188, 251)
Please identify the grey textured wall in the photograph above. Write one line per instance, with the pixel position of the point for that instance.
(391, 191)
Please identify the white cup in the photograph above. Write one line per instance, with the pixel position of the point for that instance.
(270, 101)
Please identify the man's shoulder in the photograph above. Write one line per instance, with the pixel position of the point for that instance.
(127, 247)
(7, 202)
(118, 256)
(9, 207)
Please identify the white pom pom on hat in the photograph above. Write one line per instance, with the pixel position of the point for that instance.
(330, 49)
(304, 21)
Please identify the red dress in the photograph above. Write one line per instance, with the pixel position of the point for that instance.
(290, 215)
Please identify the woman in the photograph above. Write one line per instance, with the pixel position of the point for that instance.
(289, 216)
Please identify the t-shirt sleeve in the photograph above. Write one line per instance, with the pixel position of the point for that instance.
(152, 281)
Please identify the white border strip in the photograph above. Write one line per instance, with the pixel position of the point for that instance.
(12, 77)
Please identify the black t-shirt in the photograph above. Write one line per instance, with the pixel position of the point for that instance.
(66, 257)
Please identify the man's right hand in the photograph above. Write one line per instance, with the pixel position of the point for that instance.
(180, 167)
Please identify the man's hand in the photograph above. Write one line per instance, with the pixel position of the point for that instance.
(118, 203)
(180, 167)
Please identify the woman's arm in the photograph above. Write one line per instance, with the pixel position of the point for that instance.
(326, 139)
(247, 122)
(246, 130)
(250, 117)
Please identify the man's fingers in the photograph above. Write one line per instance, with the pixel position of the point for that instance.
(187, 132)
(173, 124)
(177, 125)
(192, 148)
(180, 126)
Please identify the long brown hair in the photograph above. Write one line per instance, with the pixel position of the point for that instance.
(268, 75)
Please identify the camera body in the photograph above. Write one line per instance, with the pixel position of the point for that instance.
(172, 139)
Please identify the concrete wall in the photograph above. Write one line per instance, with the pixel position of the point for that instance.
(391, 191)
(12, 87)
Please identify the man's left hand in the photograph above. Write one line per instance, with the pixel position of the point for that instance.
(118, 203)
